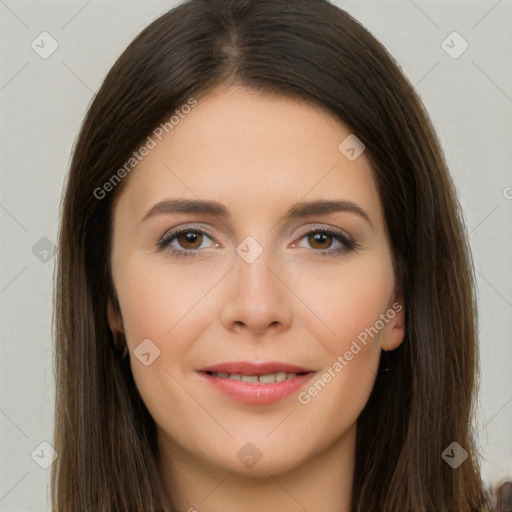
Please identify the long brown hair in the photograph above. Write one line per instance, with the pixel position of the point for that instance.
(312, 51)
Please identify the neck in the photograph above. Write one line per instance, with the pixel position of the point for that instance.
(322, 482)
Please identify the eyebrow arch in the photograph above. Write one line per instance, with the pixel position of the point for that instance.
(299, 210)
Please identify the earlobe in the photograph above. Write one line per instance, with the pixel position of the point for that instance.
(115, 321)
(395, 330)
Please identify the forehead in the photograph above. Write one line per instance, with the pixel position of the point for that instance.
(255, 152)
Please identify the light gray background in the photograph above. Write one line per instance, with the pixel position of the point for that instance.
(43, 102)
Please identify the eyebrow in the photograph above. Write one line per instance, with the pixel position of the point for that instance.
(299, 210)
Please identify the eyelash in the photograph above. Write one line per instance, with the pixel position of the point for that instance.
(347, 243)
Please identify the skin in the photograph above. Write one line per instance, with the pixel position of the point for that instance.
(258, 154)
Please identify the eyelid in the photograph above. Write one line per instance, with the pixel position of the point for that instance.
(326, 227)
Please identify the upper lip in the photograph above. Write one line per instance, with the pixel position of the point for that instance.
(255, 368)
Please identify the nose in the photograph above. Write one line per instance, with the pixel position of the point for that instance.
(257, 299)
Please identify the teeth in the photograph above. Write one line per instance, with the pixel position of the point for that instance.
(283, 375)
(249, 378)
(269, 378)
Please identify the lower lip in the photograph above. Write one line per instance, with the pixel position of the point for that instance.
(254, 393)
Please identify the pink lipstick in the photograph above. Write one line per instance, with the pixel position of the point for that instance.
(256, 383)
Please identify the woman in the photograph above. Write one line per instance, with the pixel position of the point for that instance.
(265, 291)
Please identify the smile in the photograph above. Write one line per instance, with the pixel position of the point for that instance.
(256, 383)
(269, 378)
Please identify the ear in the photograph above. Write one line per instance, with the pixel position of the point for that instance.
(115, 320)
(394, 333)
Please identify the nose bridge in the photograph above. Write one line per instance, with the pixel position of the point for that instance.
(259, 298)
(252, 267)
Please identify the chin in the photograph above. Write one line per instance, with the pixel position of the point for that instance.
(272, 465)
(258, 458)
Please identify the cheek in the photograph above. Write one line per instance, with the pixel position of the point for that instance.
(157, 300)
(346, 300)
(172, 308)
(166, 306)
(348, 303)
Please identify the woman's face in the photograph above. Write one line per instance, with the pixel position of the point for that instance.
(261, 286)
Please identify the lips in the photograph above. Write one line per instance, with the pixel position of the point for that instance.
(256, 383)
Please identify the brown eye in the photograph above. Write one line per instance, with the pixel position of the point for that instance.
(190, 239)
(186, 242)
(320, 240)
(327, 242)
